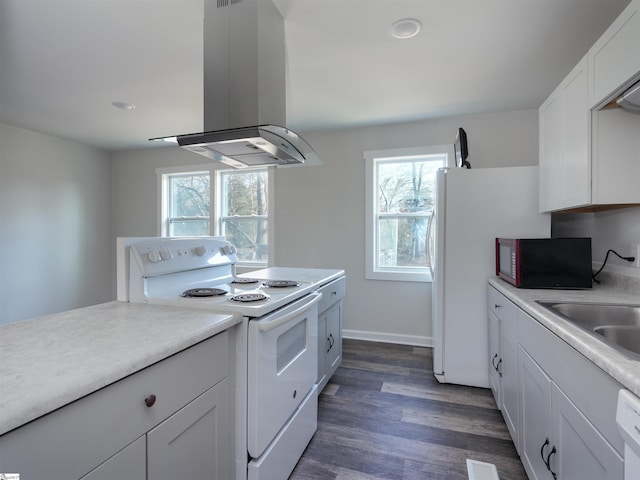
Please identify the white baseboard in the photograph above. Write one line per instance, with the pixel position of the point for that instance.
(414, 340)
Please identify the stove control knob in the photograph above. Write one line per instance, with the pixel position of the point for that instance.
(165, 254)
(154, 256)
(201, 250)
(229, 249)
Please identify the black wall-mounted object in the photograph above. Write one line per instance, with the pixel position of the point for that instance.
(461, 149)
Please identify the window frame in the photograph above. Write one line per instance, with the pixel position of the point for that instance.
(215, 211)
(372, 217)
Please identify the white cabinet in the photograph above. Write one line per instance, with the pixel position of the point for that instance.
(495, 359)
(127, 464)
(588, 158)
(585, 452)
(536, 448)
(503, 361)
(119, 431)
(614, 60)
(330, 330)
(564, 150)
(194, 442)
(558, 441)
(560, 408)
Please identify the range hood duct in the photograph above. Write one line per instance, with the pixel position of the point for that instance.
(244, 89)
(630, 99)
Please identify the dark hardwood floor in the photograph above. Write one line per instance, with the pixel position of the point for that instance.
(384, 416)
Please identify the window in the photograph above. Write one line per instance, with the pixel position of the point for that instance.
(244, 209)
(232, 203)
(188, 202)
(400, 189)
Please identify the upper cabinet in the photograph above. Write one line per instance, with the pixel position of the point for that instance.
(565, 138)
(614, 60)
(590, 152)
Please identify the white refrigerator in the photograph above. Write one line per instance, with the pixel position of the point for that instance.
(472, 208)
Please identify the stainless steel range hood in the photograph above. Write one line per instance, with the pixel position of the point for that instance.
(630, 99)
(244, 89)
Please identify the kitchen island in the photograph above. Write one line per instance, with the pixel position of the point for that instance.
(102, 389)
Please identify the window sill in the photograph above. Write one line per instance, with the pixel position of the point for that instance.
(399, 277)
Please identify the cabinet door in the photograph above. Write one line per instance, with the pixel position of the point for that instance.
(334, 337)
(535, 423)
(550, 153)
(510, 382)
(581, 451)
(565, 152)
(323, 347)
(494, 358)
(128, 464)
(195, 441)
(614, 60)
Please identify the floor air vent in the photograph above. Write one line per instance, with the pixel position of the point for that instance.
(481, 470)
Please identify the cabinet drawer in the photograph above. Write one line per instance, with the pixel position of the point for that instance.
(331, 293)
(87, 432)
(500, 305)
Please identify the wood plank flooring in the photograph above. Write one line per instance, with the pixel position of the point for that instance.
(384, 416)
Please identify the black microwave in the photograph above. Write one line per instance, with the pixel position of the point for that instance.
(545, 262)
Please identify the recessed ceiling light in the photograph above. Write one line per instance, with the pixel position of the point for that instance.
(123, 105)
(405, 28)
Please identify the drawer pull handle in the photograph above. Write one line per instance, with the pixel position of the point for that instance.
(497, 305)
(546, 442)
(150, 400)
(548, 462)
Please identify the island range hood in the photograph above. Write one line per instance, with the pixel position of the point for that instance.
(630, 99)
(244, 89)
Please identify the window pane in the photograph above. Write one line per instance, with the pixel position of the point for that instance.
(401, 242)
(407, 186)
(189, 228)
(189, 196)
(245, 213)
(244, 193)
(243, 232)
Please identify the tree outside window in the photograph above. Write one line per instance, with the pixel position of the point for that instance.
(400, 200)
(235, 205)
(244, 214)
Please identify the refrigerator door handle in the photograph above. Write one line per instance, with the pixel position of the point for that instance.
(429, 243)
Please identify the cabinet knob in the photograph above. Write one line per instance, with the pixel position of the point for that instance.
(150, 400)
(496, 305)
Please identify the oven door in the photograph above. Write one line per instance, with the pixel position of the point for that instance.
(282, 367)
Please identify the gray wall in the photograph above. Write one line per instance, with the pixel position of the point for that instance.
(63, 205)
(319, 214)
(56, 235)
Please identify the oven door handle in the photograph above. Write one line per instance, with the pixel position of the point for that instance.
(265, 327)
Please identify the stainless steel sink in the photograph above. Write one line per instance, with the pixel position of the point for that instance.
(616, 325)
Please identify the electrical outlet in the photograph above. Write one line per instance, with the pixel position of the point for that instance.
(634, 251)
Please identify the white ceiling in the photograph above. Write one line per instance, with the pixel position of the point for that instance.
(63, 62)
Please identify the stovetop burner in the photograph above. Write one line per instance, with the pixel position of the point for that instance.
(249, 297)
(280, 283)
(204, 292)
(245, 280)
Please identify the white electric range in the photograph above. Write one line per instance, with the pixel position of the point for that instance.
(276, 343)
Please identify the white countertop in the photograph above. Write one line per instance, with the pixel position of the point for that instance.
(306, 275)
(626, 371)
(48, 362)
